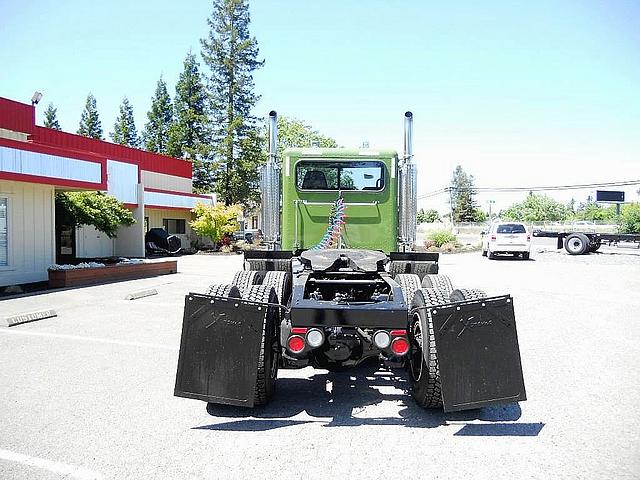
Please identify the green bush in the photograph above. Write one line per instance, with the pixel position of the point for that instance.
(630, 218)
(440, 237)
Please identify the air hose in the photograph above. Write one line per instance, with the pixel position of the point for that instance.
(334, 230)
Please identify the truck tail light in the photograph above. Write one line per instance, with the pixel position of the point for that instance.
(295, 343)
(528, 238)
(315, 337)
(493, 238)
(400, 346)
(381, 339)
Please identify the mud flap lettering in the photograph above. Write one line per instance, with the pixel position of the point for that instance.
(478, 353)
(219, 350)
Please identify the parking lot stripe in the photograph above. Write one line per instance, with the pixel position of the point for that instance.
(88, 339)
(72, 471)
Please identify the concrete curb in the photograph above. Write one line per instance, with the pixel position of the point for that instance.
(27, 317)
(141, 294)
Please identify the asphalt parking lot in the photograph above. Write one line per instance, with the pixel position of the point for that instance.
(89, 394)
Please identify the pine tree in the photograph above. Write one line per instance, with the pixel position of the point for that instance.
(156, 130)
(232, 56)
(89, 121)
(124, 130)
(51, 118)
(463, 205)
(188, 135)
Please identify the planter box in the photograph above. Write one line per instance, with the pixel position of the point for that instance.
(109, 273)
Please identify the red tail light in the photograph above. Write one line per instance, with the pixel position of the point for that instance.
(493, 238)
(295, 344)
(400, 346)
(528, 238)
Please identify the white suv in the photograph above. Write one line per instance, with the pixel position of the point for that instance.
(506, 237)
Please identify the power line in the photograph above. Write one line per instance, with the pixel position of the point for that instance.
(537, 188)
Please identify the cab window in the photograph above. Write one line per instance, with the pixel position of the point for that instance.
(342, 175)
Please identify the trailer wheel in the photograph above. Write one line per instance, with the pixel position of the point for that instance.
(439, 282)
(462, 294)
(217, 290)
(576, 244)
(269, 348)
(246, 278)
(424, 370)
(409, 283)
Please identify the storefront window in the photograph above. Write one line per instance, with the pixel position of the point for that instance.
(174, 226)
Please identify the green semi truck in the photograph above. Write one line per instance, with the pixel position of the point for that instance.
(339, 283)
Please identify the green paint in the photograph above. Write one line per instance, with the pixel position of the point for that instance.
(372, 224)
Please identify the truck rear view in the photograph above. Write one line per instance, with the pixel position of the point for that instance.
(339, 285)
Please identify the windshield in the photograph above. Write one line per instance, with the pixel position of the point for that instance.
(340, 175)
(511, 228)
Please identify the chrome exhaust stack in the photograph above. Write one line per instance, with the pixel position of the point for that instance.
(407, 190)
(270, 189)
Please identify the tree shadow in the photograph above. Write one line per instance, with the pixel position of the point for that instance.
(336, 399)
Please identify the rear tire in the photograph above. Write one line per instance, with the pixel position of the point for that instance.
(462, 294)
(576, 244)
(246, 278)
(491, 255)
(409, 283)
(525, 255)
(281, 283)
(439, 282)
(424, 370)
(484, 253)
(269, 348)
(217, 290)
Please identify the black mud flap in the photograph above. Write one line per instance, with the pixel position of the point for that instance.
(478, 353)
(219, 349)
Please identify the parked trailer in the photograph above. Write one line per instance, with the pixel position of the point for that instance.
(582, 243)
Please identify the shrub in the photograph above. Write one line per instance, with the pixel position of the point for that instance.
(440, 237)
(102, 211)
(630, 218)
(215, 221)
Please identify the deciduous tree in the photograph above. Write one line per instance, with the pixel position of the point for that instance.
(102, 211)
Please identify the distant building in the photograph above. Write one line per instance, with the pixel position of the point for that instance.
(36, 162)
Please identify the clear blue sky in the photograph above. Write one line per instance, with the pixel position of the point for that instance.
(518, 93)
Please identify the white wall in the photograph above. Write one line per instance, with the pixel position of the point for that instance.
(158, 199)
(52, 166)
(31, 232)
(162, 181)
(91, 243)
(130, 240)
(122, 181)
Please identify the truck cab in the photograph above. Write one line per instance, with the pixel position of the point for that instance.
(366, 180)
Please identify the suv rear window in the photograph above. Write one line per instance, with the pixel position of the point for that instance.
(511, 228)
